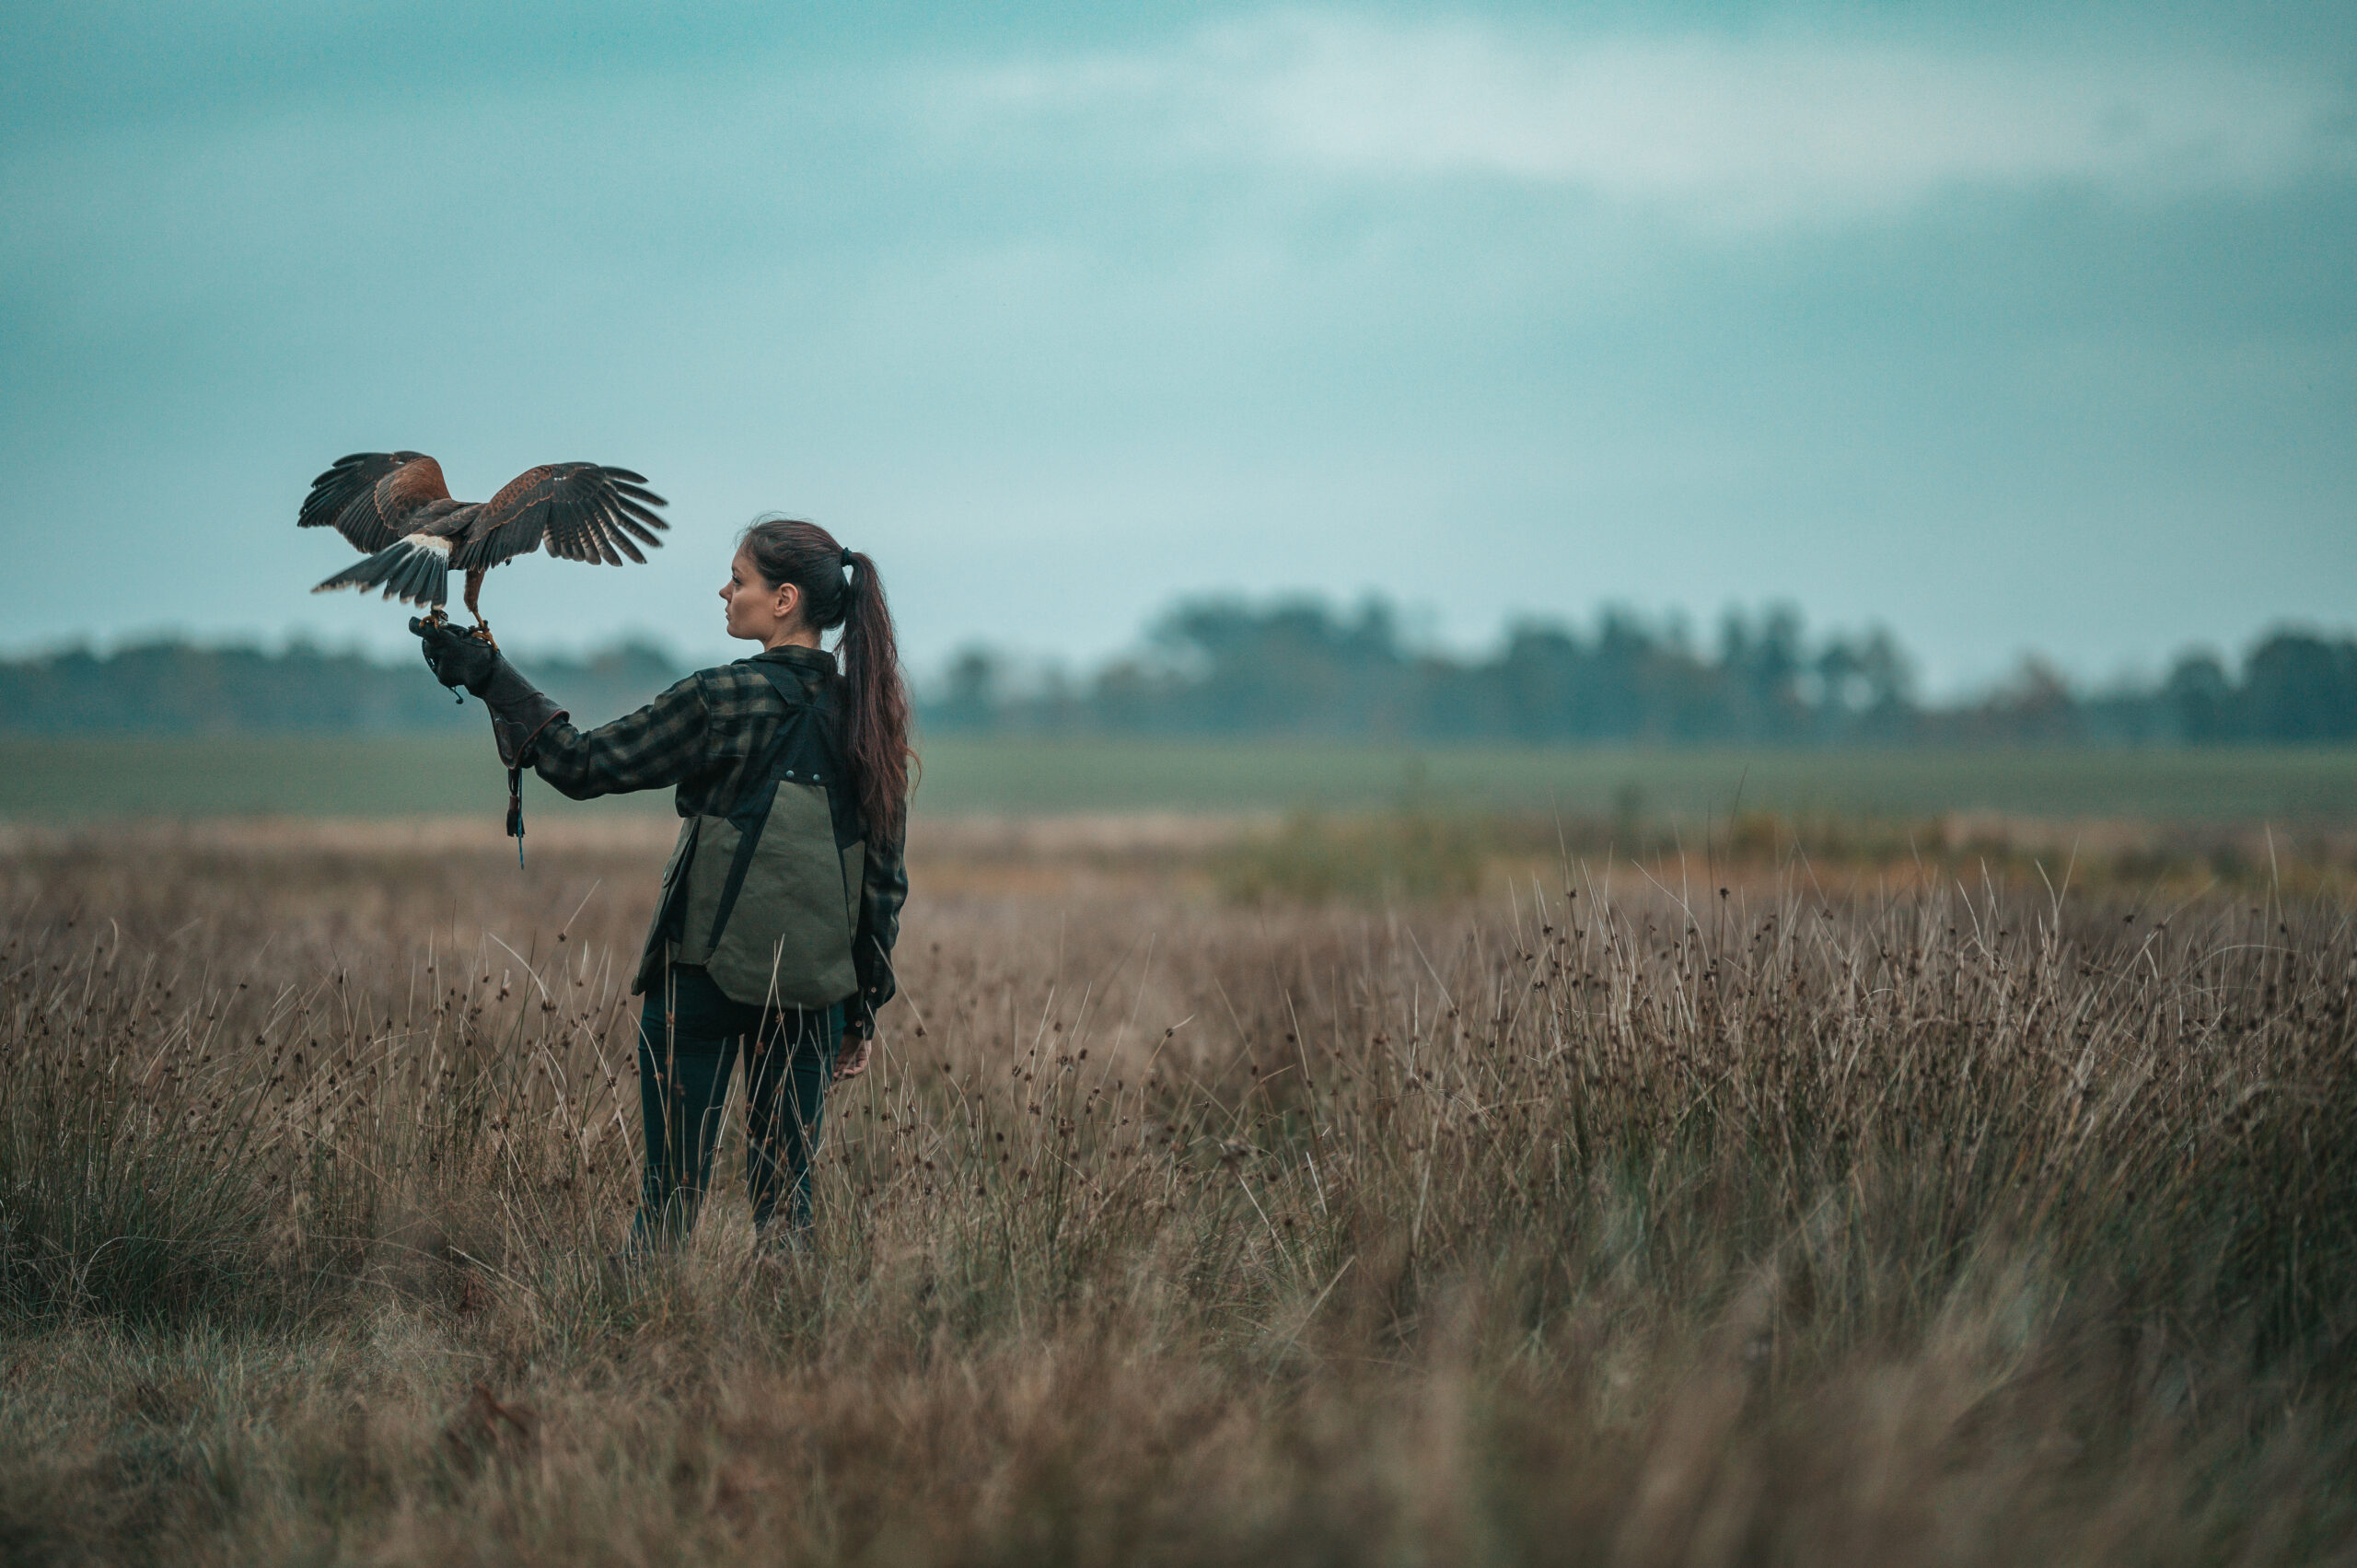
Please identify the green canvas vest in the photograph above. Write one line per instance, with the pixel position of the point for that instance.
(766, 898)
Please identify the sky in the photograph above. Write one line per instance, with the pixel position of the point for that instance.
(2008, 327)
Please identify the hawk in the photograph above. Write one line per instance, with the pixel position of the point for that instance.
(395, 507)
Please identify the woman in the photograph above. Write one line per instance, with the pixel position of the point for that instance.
(773, 936)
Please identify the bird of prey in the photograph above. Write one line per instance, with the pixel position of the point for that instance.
(395, 507)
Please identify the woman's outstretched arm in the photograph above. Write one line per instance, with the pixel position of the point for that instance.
(660, 745)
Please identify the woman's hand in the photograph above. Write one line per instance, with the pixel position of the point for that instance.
(457, 657)
(852, 1059)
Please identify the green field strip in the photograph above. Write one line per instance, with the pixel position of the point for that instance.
(80, 780)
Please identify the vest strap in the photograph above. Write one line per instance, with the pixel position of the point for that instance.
(792, 750)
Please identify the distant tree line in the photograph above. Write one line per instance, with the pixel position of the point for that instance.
(2294, 687)
(1227, 667)
(177, 688)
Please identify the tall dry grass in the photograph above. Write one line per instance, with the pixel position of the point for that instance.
(1588, 1220)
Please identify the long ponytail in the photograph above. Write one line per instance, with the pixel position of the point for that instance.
(841, 587)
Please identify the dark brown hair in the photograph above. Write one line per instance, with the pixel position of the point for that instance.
(840, 587)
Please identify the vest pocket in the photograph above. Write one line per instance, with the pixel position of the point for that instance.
(788, 938)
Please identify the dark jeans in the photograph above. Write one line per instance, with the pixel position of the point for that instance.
(688, 1038)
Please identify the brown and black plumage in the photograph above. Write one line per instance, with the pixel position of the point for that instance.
(395, 507)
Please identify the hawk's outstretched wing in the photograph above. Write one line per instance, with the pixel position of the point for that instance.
(580, 511)
(368, 497)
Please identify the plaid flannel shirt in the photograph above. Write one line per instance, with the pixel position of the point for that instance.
(707, 736)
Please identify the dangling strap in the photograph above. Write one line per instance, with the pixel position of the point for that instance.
(515, 811)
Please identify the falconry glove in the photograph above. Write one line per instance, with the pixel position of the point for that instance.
(520, 710)
(456, 657)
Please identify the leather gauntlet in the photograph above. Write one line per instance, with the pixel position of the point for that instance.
(519, 711)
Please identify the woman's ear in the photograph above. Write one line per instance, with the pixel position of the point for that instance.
(789, 601)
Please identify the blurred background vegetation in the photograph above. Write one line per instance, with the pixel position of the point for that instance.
(1302, 669)
(1350, 761)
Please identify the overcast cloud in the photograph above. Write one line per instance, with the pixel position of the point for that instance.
(2010, 332)
(1744, 131)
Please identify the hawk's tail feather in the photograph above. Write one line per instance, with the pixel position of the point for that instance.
(415, 569)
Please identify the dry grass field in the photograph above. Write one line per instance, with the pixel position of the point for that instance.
(1746, 1207)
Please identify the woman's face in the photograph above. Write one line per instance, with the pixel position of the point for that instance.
(756, 611)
